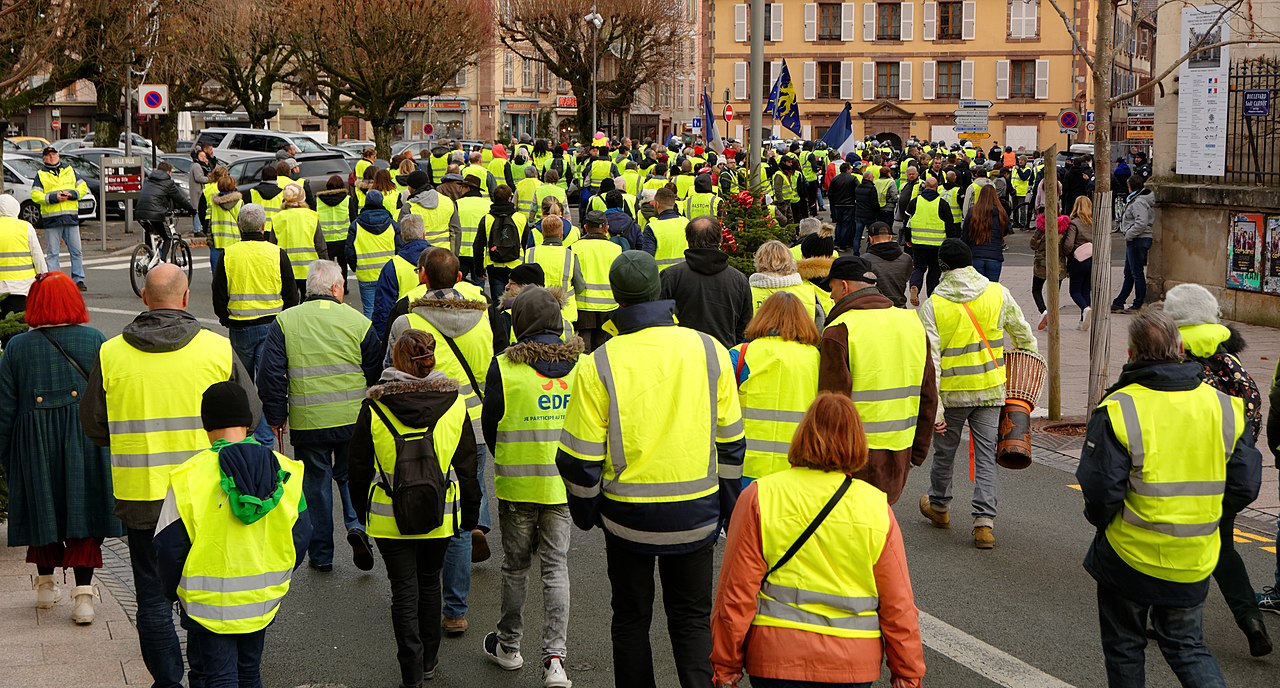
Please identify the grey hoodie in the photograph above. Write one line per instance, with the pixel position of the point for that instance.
(153, 332)
(449, 312)
(1139, 215)
(430, 200)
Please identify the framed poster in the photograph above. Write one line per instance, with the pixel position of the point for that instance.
(1244, 252)
(1271, 278)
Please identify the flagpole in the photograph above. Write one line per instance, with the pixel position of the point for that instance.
(755, 80)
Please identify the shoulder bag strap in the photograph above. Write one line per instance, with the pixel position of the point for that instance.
(981, 334)
(466, 367)
(813, 526)
(386, 483)
(56, 345)
(742, 363)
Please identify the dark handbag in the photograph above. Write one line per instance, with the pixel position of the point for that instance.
(813, 526)
(56, 345)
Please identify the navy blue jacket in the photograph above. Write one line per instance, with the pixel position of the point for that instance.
(389, 285)
(993, 249)
(374, 220)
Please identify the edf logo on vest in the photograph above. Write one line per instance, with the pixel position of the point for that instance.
(554, 402)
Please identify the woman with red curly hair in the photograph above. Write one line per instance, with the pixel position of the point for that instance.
(60, 502)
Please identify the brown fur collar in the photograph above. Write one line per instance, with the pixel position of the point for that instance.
(529, 351)
(816, 267)
(446, 384)
(449, 304)
(513, 290)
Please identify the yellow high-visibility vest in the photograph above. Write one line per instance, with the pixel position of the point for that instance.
(253, 280)
(15, 250)
(470, 210)
(927, 226)
(445, 436)
(671, 241)
(888, 351)
(558, 265)
(335, 220)
(595, 257)
(296, 236)
(322, 341)
(223, 227)
(966, 363)
(435, 221)
(476, 346)
(782, 382)
(529, 433)
(372, 252)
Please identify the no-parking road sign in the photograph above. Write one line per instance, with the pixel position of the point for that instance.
(153, 99)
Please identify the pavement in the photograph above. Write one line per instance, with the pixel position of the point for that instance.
(1020, 615)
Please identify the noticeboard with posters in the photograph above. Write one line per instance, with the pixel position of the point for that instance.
(1245, 252)
(1271, 278)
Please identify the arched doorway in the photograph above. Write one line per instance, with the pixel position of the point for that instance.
(889, 137)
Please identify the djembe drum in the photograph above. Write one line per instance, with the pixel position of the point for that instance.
(1025, 373)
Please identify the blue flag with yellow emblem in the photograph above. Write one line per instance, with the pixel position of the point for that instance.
(783, 104)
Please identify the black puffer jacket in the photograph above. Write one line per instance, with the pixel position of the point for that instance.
(160, 194)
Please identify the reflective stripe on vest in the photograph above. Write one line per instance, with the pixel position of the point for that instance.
(153, 409)
(488, 222)
(808, 593)
(888, 350)
(954, 202)
(1179, 443)
(223, 226)
(221, 588)
(595, 257)
(789, 193)
(557, 265)
(529, 434)
(598, 170)
(381, 522)
(783, 381)
(270, 205)
(335, 220)
(322, 344)
(965, 362)
(671, 241)
(470, 210)
(476, 346)
(296, 235)
(436, 221)
(700, 204)
(372, 252)
(64, 180)
(882, 190)
(253, 280)
(406, 276)
(15, 250)
(927, 226)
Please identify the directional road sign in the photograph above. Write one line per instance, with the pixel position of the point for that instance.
(975, 103)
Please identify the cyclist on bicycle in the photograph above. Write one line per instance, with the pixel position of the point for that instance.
(160, 196)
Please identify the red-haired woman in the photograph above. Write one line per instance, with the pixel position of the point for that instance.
(60, 501)
(824, 610)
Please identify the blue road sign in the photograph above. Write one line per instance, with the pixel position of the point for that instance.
(1257, 103)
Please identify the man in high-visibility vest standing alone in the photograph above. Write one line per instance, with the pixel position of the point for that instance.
(318, 360)
(967, 318)
(57, 191)
(1165, 456)
(233, 527)
(659, 478)
(143, 401)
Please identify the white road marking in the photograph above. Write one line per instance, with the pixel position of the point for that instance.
(195, 263)
(984, 659)
(119, 311)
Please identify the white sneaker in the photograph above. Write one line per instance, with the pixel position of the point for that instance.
(82, 613)
(1044, 321)
(47, 592)
(553, 675)
(509, 660)
(1084, 318)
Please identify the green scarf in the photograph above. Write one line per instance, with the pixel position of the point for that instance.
(247, 508)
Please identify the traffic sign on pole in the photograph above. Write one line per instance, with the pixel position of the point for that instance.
(728, 114)
(428, 128)
(976, 103)
(1068, 121)
(153, 99)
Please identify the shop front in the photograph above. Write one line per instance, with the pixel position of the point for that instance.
(566, 119)
(519, 116)
(447, 118)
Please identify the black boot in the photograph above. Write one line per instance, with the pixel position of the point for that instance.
(1256, 631)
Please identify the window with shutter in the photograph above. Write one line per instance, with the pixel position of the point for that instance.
(950, 20)
(868, 80)
(830, 21)
(887, 79)
(1002, 79)
(740, 23)
(888, 21)
(930, 28)
(928, 79)
(848, 24)
(1022, 79)
(828, 86)
(966, 79)
(739, 80)
(949, 80)
(846, 80)
(908, 11)
(904, 81)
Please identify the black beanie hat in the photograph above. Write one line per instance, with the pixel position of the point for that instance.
(954, 254)
(417, 180)
(529, 274)
(814, 246)
(225, 405)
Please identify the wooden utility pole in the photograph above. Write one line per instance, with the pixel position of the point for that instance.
(1053, 275)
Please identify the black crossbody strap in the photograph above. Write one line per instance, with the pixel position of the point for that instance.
(56, 345)
(813, 526)
(386, 483)
(466, 367)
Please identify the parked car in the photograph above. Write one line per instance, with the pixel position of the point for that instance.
(181, 163)
(233, 143)
(31, 143)
(10, 145)
(139, 142)
(64, 145)
(20, 174)
(420, 149)
(357, 145)
(315, 167)
(184, 146)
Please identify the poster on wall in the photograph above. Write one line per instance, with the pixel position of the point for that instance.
(1244, 252)
(1202, 91)
(1271, 278)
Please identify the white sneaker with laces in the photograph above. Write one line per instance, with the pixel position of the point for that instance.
(509, 660)
(553, 675)
(1084, 318)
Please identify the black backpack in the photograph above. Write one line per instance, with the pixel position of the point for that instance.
(504, 240)
(419, 487)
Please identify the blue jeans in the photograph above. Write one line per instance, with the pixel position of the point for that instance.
(1135, 273)
(233, 660)
(457, 559)
(988, 268)
(195, 222)
(1178, 632)
(368, 292)
(860, 226)
(325, 464)
(761, 682)
(53, 238)
(842, 218)
(215, 257)
(247, 342)
(157, 637)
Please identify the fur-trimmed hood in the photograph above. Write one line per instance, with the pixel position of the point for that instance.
(452, 314)
(815, 268)
(513, 290)
(227, 200)
(546, 354)
(333, 197)
(416, 401)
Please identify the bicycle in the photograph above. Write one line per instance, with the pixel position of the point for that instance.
(145, 256)
(1022, 216)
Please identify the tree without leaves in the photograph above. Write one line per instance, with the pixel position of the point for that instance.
(251, 52)
(177, 63)
(115, 36)
(319, 95)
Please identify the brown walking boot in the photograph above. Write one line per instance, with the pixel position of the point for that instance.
(940, 519)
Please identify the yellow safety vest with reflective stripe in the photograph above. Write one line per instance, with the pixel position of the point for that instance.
(782, 381)
(542, 192)
(966, 363)
(526, 194)
(335, 220)
(597, 171)
(498, 168)
(445, 436)
(882, 190)
(789, 193)
(524, 460)
(888, 350)
(64, 180)
(829, 586)
(558, 265)
(373, 251)
(470, 210)
(322, 341)
(633, 180)
(954, 202)
(927, 226)
(810, 296)
(481, 175)
(568, 240)
(1179, 443)
(270, 205)
(253, 280)
(235, 575)
(595, 257)
(684, 185)
(15, 250)
(468, 290)
(439, 167)
(208, 191)
(223, 226)
(296, 236)
(488, 222)
(671, 241)
(406, 276)
(391, 202)
(361, 165)
(435, 221)
(699, 204)
(476, 346)
(285, 181)
(1022, 185)
(153, 409)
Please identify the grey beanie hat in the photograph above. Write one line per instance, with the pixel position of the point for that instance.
(634, 278)
(535, 311)
(1191, 304)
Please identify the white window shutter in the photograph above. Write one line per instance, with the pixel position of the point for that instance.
(775, 20)
(1002, 78)
(930, 21)
(1042, 79)
(848, 24)
(908, 21)
(740, 23)
(969, 25)
(737, 132)
(775, 68)
(739, 80)
(966, 80)
(868, 80)
(1016, 8)
(904, 81)
(811, 21)
(777, 131)
(810, 81)
(868, 21)
(846, 80)
(804, 131)
(1031, 20)
(928, 79)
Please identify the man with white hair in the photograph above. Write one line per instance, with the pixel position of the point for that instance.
(21, 257)
(318, 359)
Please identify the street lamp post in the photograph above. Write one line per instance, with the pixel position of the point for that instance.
(596, 21)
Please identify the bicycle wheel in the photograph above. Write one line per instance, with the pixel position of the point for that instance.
(1022, 216)
(139, 262)
(182, 257)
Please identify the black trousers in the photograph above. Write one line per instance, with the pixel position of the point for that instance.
(413, 567)
(1232, 576)
(686, 599)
